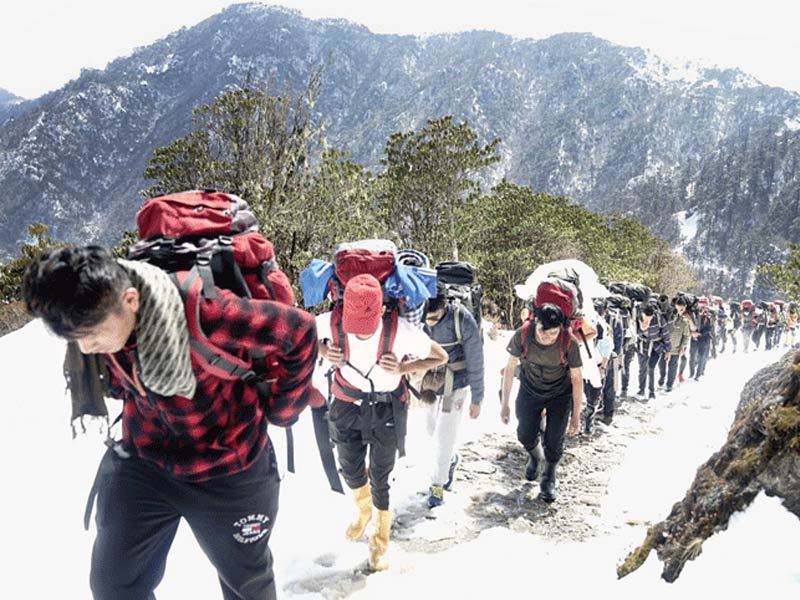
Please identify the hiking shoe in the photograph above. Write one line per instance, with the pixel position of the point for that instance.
(451, 472)
(607, 419)
(436, 497)
(640, 395)
(669, 389)
(652, 396)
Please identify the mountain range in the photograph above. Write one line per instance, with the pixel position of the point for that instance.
(708, 158)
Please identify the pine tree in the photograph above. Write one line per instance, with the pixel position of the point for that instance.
(429, 173)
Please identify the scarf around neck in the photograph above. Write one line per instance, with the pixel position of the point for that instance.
(161, 331)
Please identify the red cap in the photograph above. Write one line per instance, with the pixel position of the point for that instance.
(363, 299)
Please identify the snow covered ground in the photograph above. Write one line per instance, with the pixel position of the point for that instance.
(48, 475)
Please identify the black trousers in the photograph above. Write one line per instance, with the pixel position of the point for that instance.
(662, 369)
(139, 507)
(529, 410)
(647, 370)
(672, 369)
(747, 337)
(698, 356)
(346, 426)
(609, 393)
(769, 338)
(626, 370)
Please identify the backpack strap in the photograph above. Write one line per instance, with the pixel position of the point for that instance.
(528, 330)
(389, 332)
(339, 338)
(212, 358)
(339, 386)
(566, 340)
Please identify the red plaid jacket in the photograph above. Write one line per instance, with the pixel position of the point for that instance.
(223, 428)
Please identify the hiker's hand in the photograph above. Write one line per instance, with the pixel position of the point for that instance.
(390, 364)
(474, 411)
(334, 354)
(574, 427)
(668, 357)
(505, 414)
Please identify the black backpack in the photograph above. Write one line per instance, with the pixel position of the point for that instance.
(461, 286)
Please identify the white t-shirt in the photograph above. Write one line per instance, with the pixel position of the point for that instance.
(409, 341)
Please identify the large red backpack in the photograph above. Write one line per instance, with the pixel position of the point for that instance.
(563, 294)
(208, 239)
(373, 257)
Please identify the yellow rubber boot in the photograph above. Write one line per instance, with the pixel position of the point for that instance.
(363, 498)
(379, 541)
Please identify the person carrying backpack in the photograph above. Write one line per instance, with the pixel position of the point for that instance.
(679, 336)
(194, 443)
(749, 321)
(602, 351)
(652, 340)
(551, 382)
(367, 346)
(453, 327)
(735, 323)
(702, 340)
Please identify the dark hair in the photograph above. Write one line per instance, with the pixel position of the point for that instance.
(74, 289)
(649, 310)
(439, 300)
(681, 300)
(550, 316)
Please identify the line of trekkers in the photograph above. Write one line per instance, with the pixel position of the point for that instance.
(198, 333)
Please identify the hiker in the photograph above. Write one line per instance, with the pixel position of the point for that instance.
(735, 323)
(723, 325)
(628, 345)
(652, 340)
(679, 340)
(749, 320)
(702, 339)
(454, 328)
(760, 324)
(603, 348)
(367, 346)
(612, 371)
(550, 381)
(791, 325)
(193, 445)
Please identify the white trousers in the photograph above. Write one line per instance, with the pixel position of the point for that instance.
(443, 428)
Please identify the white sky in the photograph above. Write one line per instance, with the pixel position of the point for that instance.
(45, 43)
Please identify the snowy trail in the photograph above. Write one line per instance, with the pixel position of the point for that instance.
(633, 472)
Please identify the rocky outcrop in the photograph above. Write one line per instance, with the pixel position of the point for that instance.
(762, 453)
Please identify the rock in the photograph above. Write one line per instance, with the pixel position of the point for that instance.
(762, 452)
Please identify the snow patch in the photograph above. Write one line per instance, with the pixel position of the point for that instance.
(660, 70)
(159, 69)
(755, 557)
(688, 227)
(792, 124)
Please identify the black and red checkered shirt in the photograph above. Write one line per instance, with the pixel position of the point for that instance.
(223, 428)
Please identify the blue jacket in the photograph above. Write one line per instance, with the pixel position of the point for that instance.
(470, 350)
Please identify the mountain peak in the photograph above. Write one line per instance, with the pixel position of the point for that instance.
(7, 98)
